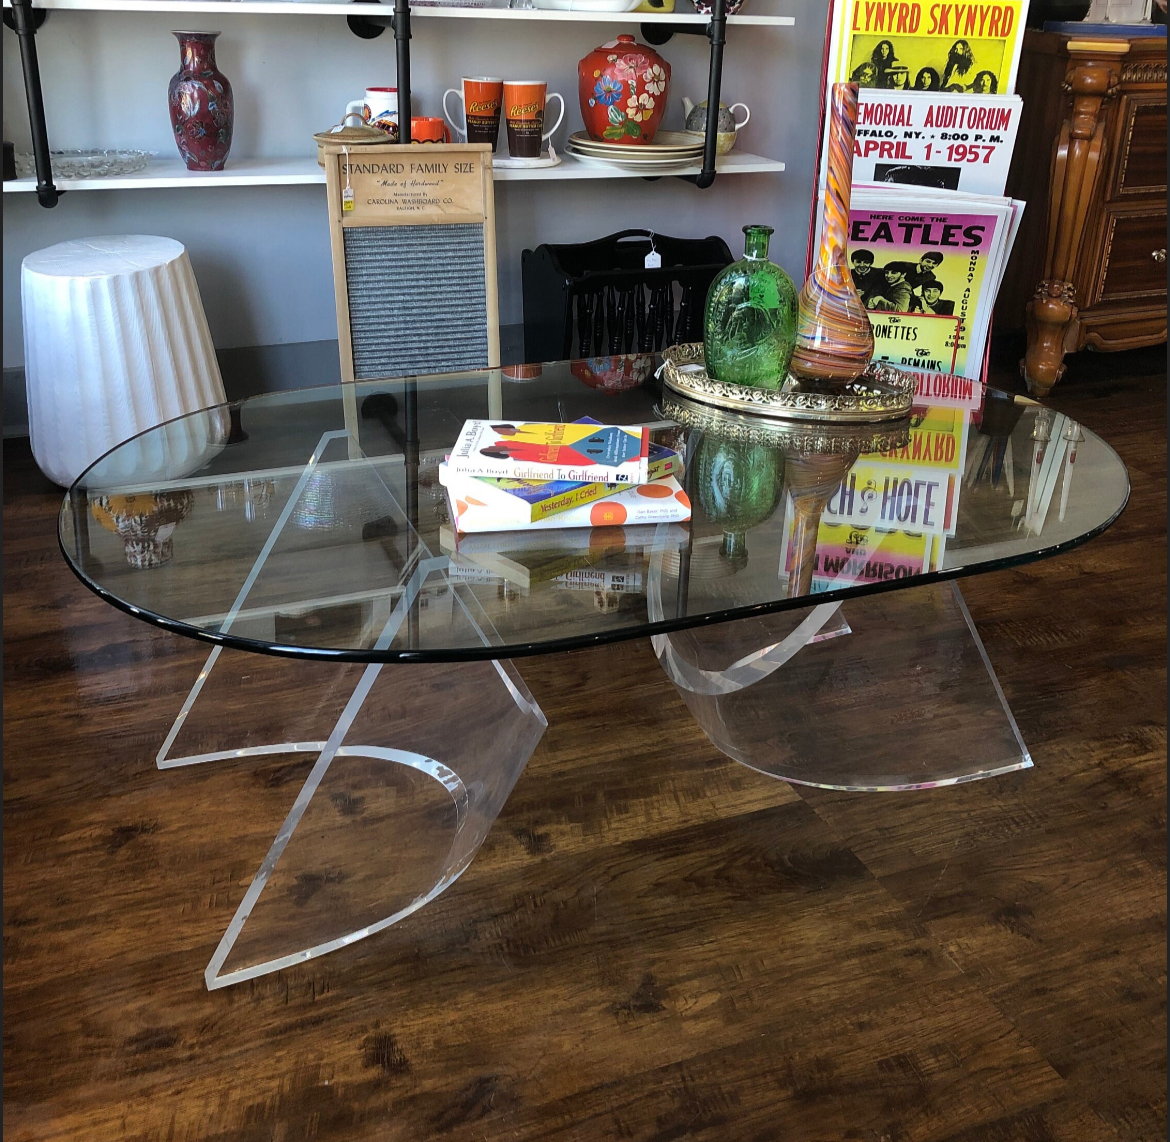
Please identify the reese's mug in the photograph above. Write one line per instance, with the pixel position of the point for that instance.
(524, 101)
(481, 96)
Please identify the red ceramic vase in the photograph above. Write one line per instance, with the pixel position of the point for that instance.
(200, 97)
(623, 87)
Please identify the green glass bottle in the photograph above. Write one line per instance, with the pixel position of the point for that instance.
(750, 325)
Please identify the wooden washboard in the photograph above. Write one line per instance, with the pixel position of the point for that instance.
(413, 234)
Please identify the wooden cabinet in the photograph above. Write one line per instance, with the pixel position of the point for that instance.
(1089, 267)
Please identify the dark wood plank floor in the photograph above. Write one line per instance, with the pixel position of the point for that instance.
(654, 943)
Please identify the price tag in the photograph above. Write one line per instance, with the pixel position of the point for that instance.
(653, 260)
(346, 199)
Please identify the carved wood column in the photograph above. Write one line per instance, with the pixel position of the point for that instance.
(1094, 71)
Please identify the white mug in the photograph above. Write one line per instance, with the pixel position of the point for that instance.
(378, 109)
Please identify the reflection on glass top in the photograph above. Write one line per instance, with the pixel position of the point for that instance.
(313, 522)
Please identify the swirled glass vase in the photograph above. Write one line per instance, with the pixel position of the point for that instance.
(750, 321)
(834, 340)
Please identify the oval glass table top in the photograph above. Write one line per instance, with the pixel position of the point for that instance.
(312, 522)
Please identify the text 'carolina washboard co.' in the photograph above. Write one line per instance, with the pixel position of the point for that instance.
(412, 229)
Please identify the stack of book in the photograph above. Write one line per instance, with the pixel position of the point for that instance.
(579, 504)
(536, 476)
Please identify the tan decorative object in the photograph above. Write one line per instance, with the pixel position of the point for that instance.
(1103, 199)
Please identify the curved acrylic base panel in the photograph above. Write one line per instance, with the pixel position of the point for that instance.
(906, 699)
(375, 831)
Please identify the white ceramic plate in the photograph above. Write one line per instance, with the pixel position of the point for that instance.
(588, 5)
(665, 143)
(662, 167)
(640, 160)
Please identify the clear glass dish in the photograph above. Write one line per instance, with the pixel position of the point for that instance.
(87, 163)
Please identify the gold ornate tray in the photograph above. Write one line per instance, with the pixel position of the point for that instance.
(882, 392)
(805, 439)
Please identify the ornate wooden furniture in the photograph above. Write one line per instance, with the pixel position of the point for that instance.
(1094, 237)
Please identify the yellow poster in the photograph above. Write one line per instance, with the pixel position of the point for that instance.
(917, 341)
(922, 45)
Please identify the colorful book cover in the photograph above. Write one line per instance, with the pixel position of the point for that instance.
(934, 139)
(532, 450)
(526, 501)
(970, 46)
(663, 501)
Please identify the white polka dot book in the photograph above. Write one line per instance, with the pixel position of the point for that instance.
(661, 501)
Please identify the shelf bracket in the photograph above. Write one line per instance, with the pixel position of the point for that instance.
(24, 21)
(368, 27)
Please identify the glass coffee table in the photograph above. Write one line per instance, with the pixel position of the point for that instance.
(362, 653)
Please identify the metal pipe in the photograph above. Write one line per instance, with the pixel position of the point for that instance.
(25, 28)
(402, 46)
(717, 34)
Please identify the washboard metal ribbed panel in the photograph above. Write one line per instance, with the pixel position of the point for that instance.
(417, 299)
(413, 237)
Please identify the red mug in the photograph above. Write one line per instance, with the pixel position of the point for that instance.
(428, 129)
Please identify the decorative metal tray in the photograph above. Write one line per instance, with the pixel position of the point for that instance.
(802, 438)
(880, 393)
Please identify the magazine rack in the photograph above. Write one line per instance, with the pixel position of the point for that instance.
(603, 292)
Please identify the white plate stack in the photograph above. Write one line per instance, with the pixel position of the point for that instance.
(670, 151)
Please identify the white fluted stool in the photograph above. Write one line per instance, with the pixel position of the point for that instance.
(115, 342)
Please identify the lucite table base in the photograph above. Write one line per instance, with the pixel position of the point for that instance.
(376, 830)
(886, 692)
(411, 765)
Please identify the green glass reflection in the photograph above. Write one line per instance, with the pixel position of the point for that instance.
(739, 486)
(750, 325)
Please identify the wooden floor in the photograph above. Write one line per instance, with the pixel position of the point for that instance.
(654, 943)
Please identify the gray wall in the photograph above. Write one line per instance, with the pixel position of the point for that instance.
(262, 254)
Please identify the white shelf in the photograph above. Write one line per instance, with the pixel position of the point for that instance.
(163, 174)
(341, 8)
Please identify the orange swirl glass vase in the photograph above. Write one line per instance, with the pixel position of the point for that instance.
(834, 341)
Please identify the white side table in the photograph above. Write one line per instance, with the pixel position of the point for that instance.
(115, 342)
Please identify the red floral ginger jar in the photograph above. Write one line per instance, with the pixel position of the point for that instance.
(200, 98)
(623, 87)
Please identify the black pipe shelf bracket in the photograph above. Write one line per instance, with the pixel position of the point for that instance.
(24, 20)
(371, 27)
